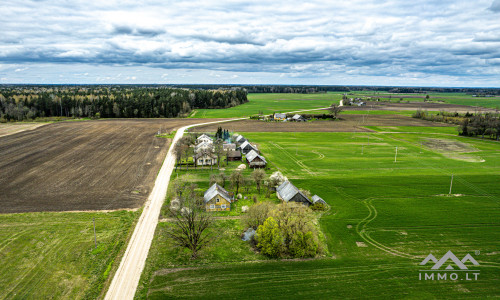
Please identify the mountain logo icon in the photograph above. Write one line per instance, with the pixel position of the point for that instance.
(449, 256)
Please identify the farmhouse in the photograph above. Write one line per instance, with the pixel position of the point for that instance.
(317, 199)
(287, 192)
(205, 159)
(204, 147)
(255, 160)
(247, 147)
(279, 117)
(217, 199)
(204, 138)
(229, 147)
(234, 155)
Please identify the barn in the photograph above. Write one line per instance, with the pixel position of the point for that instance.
(247, 147)
(255, 160)
(233, 155)
(287, 192)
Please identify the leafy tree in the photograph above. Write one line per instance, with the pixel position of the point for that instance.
(237, 180)
(258, 175)
(269, 238)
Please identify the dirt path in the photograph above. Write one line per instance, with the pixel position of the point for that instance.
(126, 279)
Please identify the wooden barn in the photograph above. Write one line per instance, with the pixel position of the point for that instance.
(247, 147)
(254, 160)
(217, 199)
(287, 192)
(234, 155)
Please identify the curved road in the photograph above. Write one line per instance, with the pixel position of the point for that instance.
(126, 279)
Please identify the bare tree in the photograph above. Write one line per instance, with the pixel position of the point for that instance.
(258, 175)
(335, 110)
(190, 228)
(219, 150)
(237, 180)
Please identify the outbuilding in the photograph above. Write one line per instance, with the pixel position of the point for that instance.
(234, 155)
(287, 192)
(247, 147)
(255, 160)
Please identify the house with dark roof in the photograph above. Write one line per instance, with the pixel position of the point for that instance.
(247, 147)
(317, 199)
(287, 192)
(234, 155)
(216, 198)
(254, 160)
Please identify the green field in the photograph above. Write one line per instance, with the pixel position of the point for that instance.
(271, 103)
(385, 218)
(52, 255)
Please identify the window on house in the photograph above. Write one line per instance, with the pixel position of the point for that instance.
(212, 206)
(223, 206)
(217, 200)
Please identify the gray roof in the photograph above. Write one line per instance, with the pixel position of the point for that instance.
(317, 198)
(214, 190)
(204, 136)
(245, 144)
(203, 154)
(296, 117)
(234, 153)
(240, 137)
(287, 191)
(229, 146)
(278, 115)
(252, 155)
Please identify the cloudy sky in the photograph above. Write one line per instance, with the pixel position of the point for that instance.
(412, 43)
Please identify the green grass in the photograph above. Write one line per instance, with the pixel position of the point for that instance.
(400, 210)
(269, 104)
(416, 130)
(52, 255)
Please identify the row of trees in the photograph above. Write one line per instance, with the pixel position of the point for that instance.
(478, 124)
(111, 102)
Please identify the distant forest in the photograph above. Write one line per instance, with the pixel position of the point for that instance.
(19, 103)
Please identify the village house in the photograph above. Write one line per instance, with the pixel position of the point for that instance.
(279, 117)
(204, 138)
(205, 159)
(317, 199)
(298, 118)
(287, 192)
(217, 199)
(255, 160)
(234, 155)
(247, 147)
(240, 139)
(204, 147)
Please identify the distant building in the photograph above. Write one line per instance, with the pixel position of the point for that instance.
(279, 117)
(240, 139)
(247, 147)
(234, 155)
(216, 198)
(229, 147)
(205, 159)
(204, 147)
(255, 160)
(298, 118)
(287, 192)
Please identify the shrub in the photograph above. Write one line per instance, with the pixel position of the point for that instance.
(269, 238)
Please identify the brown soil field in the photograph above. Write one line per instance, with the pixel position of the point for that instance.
(374, 105)
(92, 165)
(348, 123)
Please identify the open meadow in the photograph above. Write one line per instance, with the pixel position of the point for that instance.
(385, 218)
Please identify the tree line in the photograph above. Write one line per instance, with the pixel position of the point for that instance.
(19, 103)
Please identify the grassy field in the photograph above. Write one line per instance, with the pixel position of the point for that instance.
(269, 104)
(52, 255)
(386, 217)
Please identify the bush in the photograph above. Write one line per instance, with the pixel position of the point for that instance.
(318, 206)
(269, 238)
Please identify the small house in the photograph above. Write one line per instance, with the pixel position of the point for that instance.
(204, 138)
(255, 160)
(317, 199)
(216, 198)
(279, 117)
(234, 155)
(205, 159)
(298, 118)
(247, 147)
(287, 192)
(229, 147)
(204, 147)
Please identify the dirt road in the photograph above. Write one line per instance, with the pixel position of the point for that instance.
(126, 279)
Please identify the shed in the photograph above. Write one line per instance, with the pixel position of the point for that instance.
(216, 198)
(288, 192)
(255, 160)
(234, 155)
(317, 199)
(247, 147)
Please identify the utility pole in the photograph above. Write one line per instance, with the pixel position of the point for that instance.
(396, 156)
(95, 237)
(451, 184)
